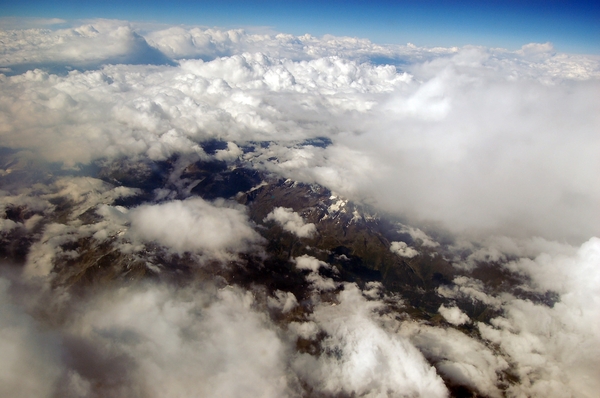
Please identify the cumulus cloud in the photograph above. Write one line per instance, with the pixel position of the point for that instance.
(465, 361)
(292, 222)
(194, 225)
(552, 346)
(156, 340)
(453, 315)
(312, 264)
(83, 194)
(402, 249)
(88, 192)
(231, 153)
(476, 161)
(416, 141)
(363, 359)
(86, 46)
(555, 347)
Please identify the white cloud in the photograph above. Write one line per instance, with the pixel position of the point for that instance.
(487, 162)
(317, 282)
(191, 343)
(555, 348)
(91, 45)
(362, 358)
(419, 236)
(7, 225)
(292, 222)
(502, 248)
(459, 357)
(30, 361)
(146, 340)
(453, 315)
(231, 153)
(84, 194)
(305, 330)
(415, 144)
(310, 263)
(402, 249)
(284, 301)
(217, 229)
(471, 288)
(88, 192)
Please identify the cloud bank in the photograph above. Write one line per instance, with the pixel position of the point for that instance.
(475, 130)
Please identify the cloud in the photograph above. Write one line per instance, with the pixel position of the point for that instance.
(146, 340)
(88, 192)
(194, 225)
(86, 46)
(465, 287)
(31, 362)
(472, 157)
(216, 230)
(462, 359)
(418, 141)
(292, 222)
(310, 263)
(284, 301)
(191, 344)
(231, 153)
(363, 359)
(402, 249)
(209, 43)
(80, 195)
(555, 347)
(551, 346)
(419, 236)
(317, 282)
(453, 315)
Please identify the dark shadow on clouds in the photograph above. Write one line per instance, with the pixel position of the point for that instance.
(139, 53)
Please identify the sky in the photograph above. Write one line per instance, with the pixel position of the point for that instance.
(572, 26)
(480, 138)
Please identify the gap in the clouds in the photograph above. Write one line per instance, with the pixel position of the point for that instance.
(352, 241)
(382, 60)
(353, 238)
(212, 146)
(320, 142)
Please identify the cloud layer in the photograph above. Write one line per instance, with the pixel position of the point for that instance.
(475, 130)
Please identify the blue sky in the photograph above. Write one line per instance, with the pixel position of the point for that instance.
(572, 26)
